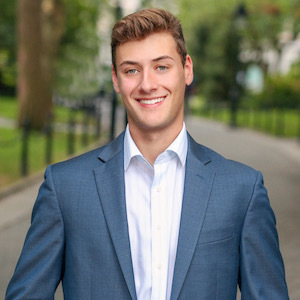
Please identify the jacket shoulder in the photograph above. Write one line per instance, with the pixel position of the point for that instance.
(219, 163)
(91, 159)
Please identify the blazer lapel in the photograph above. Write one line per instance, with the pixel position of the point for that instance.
(111, 188)
(198, 184)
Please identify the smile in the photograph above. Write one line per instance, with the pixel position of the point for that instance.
(152, 101)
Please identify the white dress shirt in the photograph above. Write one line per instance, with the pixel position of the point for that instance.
(153, 201)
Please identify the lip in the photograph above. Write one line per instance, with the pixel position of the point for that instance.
(153, 101)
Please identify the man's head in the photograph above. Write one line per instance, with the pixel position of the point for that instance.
(143, 23)
(151, 70)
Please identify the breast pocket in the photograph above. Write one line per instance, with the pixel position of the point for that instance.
(215, 235)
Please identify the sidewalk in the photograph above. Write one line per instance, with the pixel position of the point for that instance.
(278, 159)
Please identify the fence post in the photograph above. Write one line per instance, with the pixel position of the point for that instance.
(97, 114)
(280, 122)
(234, 98)
(25, 146)
(113, 116)
(125, 118)
(257, 119)
(49, 139)
(299, 123)
(71, 133)
(85, 127)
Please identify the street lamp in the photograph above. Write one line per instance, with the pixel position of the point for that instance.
(114, 104)
(238, 23)
(240, 13)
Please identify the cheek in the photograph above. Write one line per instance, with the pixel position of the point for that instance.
(169, 83)
(176, 87)
(128, 86)
(175, 81)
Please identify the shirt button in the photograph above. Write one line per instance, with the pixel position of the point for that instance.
(158, 266)
(158, 227)
(158, 189)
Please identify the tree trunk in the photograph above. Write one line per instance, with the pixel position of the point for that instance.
(39, 31)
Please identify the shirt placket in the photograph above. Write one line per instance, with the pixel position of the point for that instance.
(159, 261)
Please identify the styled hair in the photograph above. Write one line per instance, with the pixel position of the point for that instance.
(141, 24)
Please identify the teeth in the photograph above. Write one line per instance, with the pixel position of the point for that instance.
(152, 101)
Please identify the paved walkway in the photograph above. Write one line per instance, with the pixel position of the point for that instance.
(278, 159)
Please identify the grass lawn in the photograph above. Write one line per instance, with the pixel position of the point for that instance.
(9, 109)
(10, 153)
(11, 144)
(283, 123)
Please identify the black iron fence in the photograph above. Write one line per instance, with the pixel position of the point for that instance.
(275, 121)
(89, 120)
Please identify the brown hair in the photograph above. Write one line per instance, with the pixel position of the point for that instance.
(139, 25)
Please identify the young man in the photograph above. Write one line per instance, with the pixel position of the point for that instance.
(153, 215)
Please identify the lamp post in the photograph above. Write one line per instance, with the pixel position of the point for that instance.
(234, 64)
(114, 103)
(240, 13)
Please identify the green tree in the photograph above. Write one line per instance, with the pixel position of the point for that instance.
(77, 69)
(221, 42)
(39, 30)
(57, 46)
(7, 47)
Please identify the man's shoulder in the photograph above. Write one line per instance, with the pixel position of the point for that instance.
(82, 160)
(221, 164)
(91, 159)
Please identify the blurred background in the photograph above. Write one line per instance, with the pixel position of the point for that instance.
(57, 100)
(55, 81)
(55, 70)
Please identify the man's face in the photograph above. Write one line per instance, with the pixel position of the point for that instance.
(151, 80)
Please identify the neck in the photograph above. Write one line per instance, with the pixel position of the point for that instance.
(153, 142)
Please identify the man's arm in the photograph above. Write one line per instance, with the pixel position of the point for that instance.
(262, 273)
(39, 268)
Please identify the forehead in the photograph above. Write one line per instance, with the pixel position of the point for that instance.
(151, 47)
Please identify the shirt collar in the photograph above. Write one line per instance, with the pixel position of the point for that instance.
(130, 148)
(179, 147)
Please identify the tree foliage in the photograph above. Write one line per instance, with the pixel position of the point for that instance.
(280, 92)
(77, 69)
(39, 30)
(57, 50)
(223, 41)
(7, 47)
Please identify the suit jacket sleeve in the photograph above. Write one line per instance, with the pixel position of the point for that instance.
(39, 268)
(261, 266)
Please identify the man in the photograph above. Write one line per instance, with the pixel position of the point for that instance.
(153, 215)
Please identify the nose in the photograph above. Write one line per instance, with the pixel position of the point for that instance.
(148, 82)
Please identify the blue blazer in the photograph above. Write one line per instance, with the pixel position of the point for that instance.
(79, 232)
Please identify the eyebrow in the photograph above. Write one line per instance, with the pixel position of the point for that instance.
(163, 57)
(129, 62)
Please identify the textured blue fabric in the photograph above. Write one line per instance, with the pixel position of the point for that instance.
(79, 232)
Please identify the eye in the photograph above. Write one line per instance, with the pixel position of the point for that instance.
(131, 71)
(162, 68)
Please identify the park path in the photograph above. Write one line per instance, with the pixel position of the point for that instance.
(278, 159)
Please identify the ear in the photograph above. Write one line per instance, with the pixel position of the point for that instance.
(188, 68)
(115, 80)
